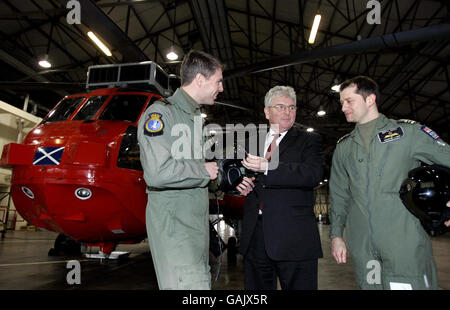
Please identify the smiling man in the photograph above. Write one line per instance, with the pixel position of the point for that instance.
(177, 214)
(368, 167)
(279, 235)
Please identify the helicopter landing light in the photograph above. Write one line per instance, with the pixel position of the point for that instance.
(83, 193)
(27, 192)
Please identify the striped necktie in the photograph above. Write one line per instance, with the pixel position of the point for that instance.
(272, 146)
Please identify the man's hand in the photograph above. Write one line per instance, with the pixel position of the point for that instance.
(246, 186)
(447, 223)
(339, 250)
(255, 163)
(212, 169)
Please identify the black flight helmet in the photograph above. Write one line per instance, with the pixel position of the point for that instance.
(425, 194)
(231, 172)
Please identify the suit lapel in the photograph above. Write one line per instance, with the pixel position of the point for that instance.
(287, 140)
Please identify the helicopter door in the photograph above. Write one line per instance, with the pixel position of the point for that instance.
(129, 152)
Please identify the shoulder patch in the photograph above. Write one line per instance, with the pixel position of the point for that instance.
(343, 138)
(154, 125)
(406, 121)
(429, 132)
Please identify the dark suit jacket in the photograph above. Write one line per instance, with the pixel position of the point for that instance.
(286, 193)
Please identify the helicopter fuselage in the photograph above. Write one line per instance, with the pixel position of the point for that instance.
(81, 176)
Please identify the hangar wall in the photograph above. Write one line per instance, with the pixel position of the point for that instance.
(14, 125)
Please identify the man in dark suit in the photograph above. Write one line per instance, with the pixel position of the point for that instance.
(280, 237)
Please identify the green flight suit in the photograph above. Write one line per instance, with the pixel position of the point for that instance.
(177, 214)
(364, 196)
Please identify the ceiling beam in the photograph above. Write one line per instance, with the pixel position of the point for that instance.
(356, 47)
(93, 17)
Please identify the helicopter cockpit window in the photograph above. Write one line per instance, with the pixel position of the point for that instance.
(124, 108)
(64, 110)
(90, 108)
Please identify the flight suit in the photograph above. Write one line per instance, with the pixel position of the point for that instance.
(364, 195)
(177, 214)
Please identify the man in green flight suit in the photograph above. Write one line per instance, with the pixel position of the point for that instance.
(171, 143)
(389, 247)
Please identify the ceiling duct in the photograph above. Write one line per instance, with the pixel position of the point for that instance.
(356, 47)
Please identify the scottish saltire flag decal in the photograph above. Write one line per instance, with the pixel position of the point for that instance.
(48, 156)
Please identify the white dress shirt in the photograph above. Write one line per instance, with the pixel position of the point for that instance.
(269, 138)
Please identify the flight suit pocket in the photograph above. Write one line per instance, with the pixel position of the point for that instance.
(193, 277)
(171, 222)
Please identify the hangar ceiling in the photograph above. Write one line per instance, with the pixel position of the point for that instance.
(262, 42)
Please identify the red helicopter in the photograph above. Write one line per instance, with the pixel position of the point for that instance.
(78, 172)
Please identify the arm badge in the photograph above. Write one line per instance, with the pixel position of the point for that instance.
(154, 125)
(429, 132)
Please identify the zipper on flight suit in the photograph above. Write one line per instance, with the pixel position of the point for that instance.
(386, 155)
(369, 199)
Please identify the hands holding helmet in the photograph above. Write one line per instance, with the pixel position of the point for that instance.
(255, 164)
(246, 186)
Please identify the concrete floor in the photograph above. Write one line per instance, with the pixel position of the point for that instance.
(25, 265)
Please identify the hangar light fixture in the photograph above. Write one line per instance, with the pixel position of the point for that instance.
(310, 129)
(335, 88)
(314, 28)
(99, 43)
(171, 54)
(44, 63)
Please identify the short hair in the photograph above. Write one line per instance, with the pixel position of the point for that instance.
(279, 91)
(198, 62)
(365, 86)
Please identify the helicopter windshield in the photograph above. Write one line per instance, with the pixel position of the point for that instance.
(64, 110)
(124, 108)
(90, 108)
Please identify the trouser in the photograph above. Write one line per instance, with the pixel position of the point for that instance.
(180, 253)
(261, 272)
(379, 267)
